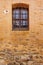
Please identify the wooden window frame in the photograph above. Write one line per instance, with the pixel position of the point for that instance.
(20, 5)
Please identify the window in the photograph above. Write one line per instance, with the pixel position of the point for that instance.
(20, 17)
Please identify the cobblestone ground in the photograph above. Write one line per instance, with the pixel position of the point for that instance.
(22, 55)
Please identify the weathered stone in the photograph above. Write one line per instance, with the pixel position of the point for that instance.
(37, 63)
(2, 62)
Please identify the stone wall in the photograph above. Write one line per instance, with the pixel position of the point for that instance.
(35, 32)
(22, 42)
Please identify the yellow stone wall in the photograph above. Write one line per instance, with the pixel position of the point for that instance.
(35, 32)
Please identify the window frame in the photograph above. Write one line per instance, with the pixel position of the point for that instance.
(25, 6)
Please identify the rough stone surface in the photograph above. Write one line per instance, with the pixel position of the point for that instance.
(21, 47)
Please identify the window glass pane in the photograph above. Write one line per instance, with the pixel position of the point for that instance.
(24, 22)
(23, 11)
(17, 23)
(16, 11)
(17, 16)
(23, 16)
